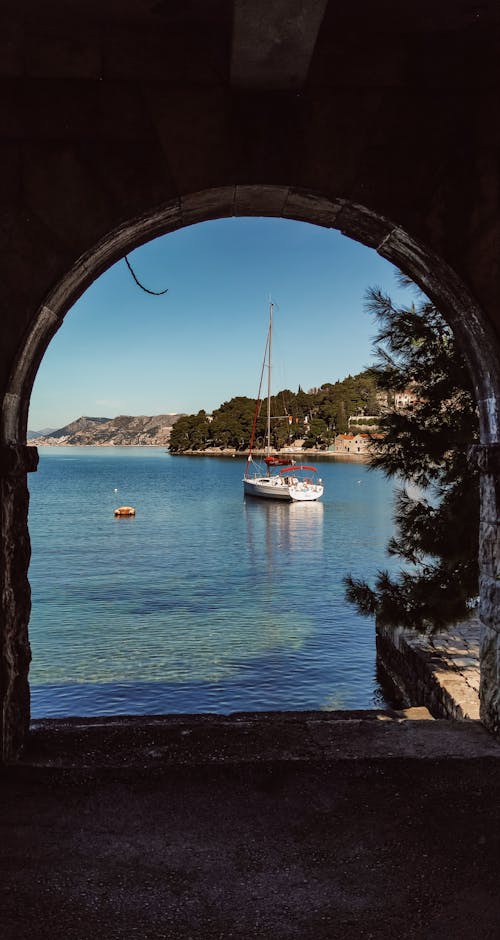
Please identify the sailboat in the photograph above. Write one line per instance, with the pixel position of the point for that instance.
(289, 481)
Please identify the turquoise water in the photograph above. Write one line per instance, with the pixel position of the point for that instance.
(203, 602)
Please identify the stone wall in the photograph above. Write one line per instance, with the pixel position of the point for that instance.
(488, 461)
(439, 671)
(15, 598)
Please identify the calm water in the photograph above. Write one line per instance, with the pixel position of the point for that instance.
(203, 601)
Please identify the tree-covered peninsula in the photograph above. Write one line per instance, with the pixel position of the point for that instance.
(314, 417)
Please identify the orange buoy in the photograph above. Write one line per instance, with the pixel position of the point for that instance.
(125, 511)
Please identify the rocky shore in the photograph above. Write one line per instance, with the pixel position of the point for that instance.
(138, 431)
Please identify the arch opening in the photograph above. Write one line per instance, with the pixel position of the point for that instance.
(426, 269)
(224, 269)
(433, 275)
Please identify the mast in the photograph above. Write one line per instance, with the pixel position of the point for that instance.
(259, 400)
(269, 366)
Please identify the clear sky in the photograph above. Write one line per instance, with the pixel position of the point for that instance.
(120, 351)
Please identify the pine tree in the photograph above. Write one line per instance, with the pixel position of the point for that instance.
(425, 447)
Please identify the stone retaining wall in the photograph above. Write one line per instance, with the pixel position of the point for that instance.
(439, 671)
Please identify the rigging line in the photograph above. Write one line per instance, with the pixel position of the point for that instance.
(258, 406)
(155, 293)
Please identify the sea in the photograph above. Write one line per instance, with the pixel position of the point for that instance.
(205, 601)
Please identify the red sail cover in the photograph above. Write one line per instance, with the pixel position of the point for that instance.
(275, 461)
(298, 467)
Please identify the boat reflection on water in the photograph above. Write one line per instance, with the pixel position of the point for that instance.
(286, 530)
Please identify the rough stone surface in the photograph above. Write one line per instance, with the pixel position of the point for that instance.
(136, 430)
(490, 678)
(15, 652)
(489, 605)
(490, 497)
(485, 457)
(441, 671)
(161, 741)
(16, 460)
(296, 827)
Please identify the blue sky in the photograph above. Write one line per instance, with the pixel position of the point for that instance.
(120, 351)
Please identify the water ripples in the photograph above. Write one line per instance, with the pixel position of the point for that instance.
(203, 601)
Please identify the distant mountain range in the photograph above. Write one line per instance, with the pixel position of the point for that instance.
(32, 435)
(125, 429)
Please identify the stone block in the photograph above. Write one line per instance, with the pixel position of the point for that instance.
(15, 602)
(211, 204)
(429, 671)
(490, 679)
(485, 457)
(489, 604)
(260, 200)
(364, 226)
(17, 459)
(490, 499)
(417, 713)
(308, 207)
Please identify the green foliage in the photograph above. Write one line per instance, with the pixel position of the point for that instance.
(232, 423)
(437, 529)
(317, 434)
(364, 422)
(356, 394)
(189, 432)
(327, 411)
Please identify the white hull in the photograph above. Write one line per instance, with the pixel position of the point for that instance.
(276, 488)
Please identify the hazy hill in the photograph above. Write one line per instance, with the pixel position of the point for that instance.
(125, 429)
(44, 432)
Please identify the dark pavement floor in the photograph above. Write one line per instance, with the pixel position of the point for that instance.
(281, 826)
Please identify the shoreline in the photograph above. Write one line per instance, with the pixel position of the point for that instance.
(229, 452)
(225, 452)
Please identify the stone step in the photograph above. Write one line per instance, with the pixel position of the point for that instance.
(164, 741)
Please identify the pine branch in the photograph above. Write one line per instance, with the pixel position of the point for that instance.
(436, 533)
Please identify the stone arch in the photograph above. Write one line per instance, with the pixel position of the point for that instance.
(436, 278)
